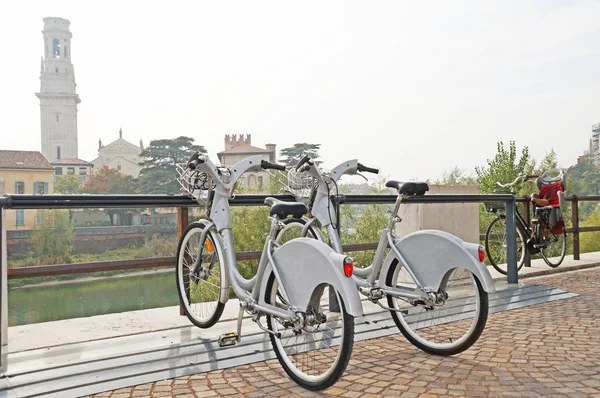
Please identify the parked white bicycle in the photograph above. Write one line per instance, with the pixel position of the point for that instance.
(291, 288)
(436, 285)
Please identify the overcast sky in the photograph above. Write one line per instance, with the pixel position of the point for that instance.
(414, 88)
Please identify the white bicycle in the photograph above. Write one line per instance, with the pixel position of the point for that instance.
(435, 284)
(291, 289)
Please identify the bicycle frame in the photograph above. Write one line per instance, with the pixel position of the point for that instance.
(251, 291)
(429, 277)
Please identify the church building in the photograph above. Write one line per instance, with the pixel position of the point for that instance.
(121, 155)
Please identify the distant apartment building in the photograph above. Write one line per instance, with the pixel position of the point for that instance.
(593, 152)
(121, 155)
(238, 147)
(25, 172)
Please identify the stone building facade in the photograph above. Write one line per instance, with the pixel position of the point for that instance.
(239, 147)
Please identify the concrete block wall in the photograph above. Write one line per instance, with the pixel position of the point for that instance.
(460, 219)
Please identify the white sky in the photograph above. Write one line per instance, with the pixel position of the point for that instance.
(414, 88)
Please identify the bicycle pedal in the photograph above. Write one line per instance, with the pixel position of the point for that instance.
(228, 339)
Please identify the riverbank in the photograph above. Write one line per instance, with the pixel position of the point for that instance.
(82, 279)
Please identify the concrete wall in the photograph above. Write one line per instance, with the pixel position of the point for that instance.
(460, 219)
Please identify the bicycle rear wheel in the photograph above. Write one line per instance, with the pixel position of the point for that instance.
(199, 289)
(316, 354)
(496, 247)
(448, 327)
(553, 247)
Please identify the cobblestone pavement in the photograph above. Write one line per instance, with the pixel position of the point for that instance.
(551, 349)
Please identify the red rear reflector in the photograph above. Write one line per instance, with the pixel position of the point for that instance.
(481, 254)
(348, 267)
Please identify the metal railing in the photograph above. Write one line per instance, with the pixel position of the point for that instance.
(183, 202)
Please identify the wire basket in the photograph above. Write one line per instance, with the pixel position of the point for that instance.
(495, 206)
(196, 184)
(300, 185)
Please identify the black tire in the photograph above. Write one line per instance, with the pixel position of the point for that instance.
(405, 314)
(554, 253)
(205, 291)
(293, 229)
(287, 359)
(495, 246)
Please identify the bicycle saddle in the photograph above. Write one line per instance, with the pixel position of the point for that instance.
(409, 188)
(282, 210)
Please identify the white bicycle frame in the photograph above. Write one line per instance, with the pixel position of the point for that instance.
(432, 253)
(313, 263)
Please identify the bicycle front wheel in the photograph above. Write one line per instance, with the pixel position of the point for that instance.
(315, 354)
(447, 327)
(199, 285)
(293, 229)
(496, 246)
(553, 247)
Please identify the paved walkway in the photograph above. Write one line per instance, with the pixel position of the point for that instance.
(551, 349)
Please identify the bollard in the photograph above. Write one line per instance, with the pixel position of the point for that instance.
(511, 242)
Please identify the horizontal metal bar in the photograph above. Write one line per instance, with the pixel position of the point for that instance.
(55, 201)
(138, 263)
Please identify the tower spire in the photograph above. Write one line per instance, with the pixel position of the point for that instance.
(58, 97)
(120, 132)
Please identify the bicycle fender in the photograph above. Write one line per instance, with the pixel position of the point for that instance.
(224, 292)
(431, 254)
(304, 264)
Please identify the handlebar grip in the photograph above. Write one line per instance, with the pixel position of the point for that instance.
(367, 169)
(268, 165)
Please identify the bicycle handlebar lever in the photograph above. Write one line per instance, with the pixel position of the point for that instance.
(367, 169)
(268, 165)
(195, 160)
(305, 159)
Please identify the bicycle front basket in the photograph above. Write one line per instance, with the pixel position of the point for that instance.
(299, 185)
(495, 205)
(196, 184)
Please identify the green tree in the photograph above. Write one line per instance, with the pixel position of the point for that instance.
(504, 168)
(52, 240)
(109, 181)
(292, 155)
(68, 184)
(158, 174)
(549, 161)
(456, 176)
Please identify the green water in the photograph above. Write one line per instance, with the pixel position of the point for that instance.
(45, 303)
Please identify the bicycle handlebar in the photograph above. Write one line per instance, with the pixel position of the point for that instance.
(367, 169)
(523, 177)
(268, 165)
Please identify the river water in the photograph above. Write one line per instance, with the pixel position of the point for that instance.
(52, 302)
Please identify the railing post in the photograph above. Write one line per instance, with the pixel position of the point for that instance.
(511, 242)
(182, 224)
(527, 217)
(575, 220)
(3, 294)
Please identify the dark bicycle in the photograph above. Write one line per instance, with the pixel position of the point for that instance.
(546, 234)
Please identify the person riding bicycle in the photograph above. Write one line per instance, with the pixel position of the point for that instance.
(548, 195)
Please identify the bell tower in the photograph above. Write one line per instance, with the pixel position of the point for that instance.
(58, 98)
